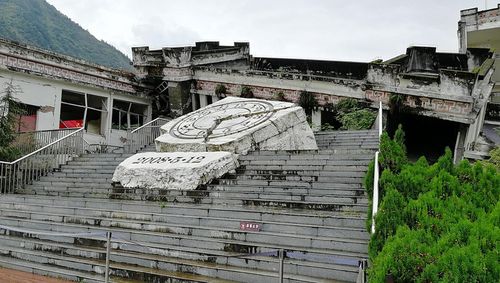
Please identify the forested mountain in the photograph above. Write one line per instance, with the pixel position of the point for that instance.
(36, 22)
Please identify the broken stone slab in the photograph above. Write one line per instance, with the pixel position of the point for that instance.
(173, 170)
(239, 125)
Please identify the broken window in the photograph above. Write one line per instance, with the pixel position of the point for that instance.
(83, 110)
(96, 114)
(127, 115)
(72, 109)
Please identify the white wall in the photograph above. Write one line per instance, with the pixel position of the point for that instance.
(38, 93)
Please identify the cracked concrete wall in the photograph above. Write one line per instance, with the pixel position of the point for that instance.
(265, 85)
(19, 57)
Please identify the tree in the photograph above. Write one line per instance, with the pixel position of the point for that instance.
(10, 110)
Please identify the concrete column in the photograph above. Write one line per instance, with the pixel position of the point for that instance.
(458, 153)
(180, 97)
(194, 101)
(215, 99)
(316, 120)
(203, 100)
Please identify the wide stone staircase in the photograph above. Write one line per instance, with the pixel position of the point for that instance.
(309, 203)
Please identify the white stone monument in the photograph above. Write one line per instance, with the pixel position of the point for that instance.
(203, 145)
(173, 170)
(239, 125)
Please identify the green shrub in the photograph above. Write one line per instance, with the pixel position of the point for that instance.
(346, 105)
(352, 114)
(435, 223)
(10, 153)
(399, 137)
(403, 258)
(494, 159)
(392, 155)
(388, 218)
(396, 103)
(279, 96)
(361, 119)
(220, 91)
(369, 178)
(246, 92)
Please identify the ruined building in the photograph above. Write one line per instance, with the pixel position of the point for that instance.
(481, 29)
(439, 98)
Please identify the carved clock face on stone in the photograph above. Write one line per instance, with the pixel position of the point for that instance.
(222, 119)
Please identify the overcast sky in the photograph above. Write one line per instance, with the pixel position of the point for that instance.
(348, 30)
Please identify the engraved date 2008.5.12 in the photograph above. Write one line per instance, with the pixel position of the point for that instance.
(171, 160)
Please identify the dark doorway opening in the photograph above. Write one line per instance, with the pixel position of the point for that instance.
(329, 120)
(425, 136)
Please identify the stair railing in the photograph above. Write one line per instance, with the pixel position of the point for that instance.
(31, 167)
(376, 173)
(144, 135)
(30, 141)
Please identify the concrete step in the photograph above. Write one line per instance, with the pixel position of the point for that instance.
(347, 133)
(279, 201)
(143, 274)
(106, 155)
(213, 266)
(208, 239)
(70, 215)
(99, 215)
(330, 152)
(239, 197)
(93, 163)
(251, 170)
(289, 190)
(262, 214)
(350, 136)
(234, 194)
(86, 166)
(46, 269)
(98, 157)
(306, 157)
(81, 175)
(347, 139)
(369, 150)
(330, 177)
(68, 185)
(347, 145)
(341, 182)
(291, 169)
(91, 170)
(98, 179)
(292, 165)
(243, 192)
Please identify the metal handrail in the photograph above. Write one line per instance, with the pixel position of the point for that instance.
(31, 167)
(149, 123)
(144, 135)
(376, 169)
(30, 141)
(380, 120)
